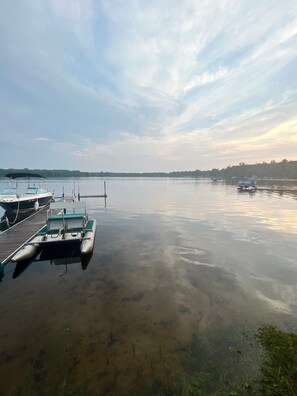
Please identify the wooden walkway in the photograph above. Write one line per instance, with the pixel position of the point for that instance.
(13, 238)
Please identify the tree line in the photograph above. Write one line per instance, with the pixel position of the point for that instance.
(277, 170)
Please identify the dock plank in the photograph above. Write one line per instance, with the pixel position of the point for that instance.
(14, 237)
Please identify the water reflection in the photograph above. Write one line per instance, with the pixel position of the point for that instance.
(60, 255)
(172, 259)
(20, 267)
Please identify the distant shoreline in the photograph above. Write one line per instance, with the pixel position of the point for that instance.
(284, 170)
(230, 179)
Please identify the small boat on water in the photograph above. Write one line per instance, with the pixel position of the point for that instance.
(247, 185)
(67, 222)
(34, 197)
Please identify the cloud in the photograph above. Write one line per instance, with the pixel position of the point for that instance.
(174, 85)
(42, 139)
(206, 78)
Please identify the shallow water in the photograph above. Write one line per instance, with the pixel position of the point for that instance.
(173, 258)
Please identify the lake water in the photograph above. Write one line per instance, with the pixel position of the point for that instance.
(173, 258)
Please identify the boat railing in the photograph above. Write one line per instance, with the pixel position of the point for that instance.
(66, 207)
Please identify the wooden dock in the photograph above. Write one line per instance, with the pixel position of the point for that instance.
(13, 238)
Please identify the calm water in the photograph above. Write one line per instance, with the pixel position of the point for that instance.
(172, 258)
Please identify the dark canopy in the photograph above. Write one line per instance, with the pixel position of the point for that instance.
(17, 175)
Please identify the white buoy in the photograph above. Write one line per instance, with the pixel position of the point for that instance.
(36, 206)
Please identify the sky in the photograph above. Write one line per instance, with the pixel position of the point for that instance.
(145, 86)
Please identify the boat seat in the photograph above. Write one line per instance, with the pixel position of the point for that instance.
(89, 225)
(69, 221)
(67, 216)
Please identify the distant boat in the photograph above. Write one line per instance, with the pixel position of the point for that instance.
(216, 180)
(35, 196)
(247, 185)
(67, 222)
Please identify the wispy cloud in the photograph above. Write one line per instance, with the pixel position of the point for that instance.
(207, 78)
(42, 139)
(174, 85)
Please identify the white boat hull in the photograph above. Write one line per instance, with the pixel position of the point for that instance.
(247, 189)
(25, 202)
(25, 253)
(87, 244)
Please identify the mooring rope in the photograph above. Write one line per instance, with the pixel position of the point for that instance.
(12, 222)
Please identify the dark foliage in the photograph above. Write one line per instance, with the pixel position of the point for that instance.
(276, 170)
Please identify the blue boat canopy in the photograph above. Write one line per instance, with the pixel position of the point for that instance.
(247, 183)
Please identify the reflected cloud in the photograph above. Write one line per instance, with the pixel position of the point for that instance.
(275, 304)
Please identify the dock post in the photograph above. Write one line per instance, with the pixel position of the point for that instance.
(104, 188)
(1, 270)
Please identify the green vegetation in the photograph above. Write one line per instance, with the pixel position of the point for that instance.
(277, 170)
(279, 369)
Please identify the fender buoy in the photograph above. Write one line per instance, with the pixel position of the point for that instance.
(36, 206)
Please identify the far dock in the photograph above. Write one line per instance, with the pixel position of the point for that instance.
(278, 190)
(79, 196)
